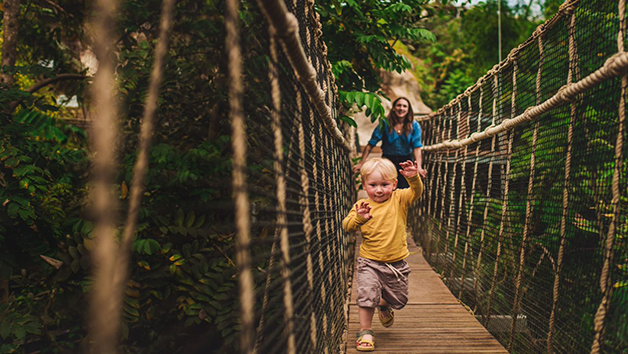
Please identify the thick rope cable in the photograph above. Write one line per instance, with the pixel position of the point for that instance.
(605, 278)
(307, 221)
(564, 10)
(614, 66)
(287, 28)
(573, 65)
(438, 130)
(445, 185)
(472, 199)
(146, 138)
(104, 308)
(452, 203)
(525, 237)
(463, 196)
(490, 182)
(282, 220)
(275, 119)
(242, 206)
(502, 226)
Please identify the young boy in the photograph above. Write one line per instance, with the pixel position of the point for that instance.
(382, 272)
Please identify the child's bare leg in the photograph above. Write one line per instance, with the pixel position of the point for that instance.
(366, 317)
(366, 322)
(383, 302)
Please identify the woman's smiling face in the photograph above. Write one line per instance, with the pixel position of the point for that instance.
(401, 108)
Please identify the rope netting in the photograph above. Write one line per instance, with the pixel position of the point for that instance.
(292, 187)
(525, 210)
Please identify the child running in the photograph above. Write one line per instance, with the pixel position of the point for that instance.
(382, 272)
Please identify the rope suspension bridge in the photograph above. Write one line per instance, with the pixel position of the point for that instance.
(523, 215)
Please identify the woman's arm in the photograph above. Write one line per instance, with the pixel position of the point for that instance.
(418, 157)
(376, 137)
(365, 154)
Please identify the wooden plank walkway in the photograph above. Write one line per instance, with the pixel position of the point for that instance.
(433, 321)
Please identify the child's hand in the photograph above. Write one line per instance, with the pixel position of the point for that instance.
(409, 169)
(364, 210)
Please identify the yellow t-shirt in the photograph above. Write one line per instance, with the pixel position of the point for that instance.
(384, 235)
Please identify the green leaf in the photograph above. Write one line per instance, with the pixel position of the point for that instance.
(20, 332)
(147, 247)
(13, 209)
(125, 330)
(87, 228)
(5, 329)
(189, 221)
(199, 221)
(179, 217)
(74, 252)
(153, 245)
(620, 284)
(75, 265)
(132, 311)
(349, 121)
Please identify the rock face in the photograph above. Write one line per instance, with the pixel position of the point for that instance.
(394, 85)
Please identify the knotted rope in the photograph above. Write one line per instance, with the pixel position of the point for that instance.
(242, 206)
(605, 278)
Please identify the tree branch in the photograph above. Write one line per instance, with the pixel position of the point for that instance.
(61, 77)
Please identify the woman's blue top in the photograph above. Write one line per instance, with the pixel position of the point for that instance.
(393, 143)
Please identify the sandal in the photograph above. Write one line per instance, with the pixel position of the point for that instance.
(360, 343)
(389, 320)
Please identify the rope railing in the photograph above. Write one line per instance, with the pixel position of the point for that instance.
(298, 187)
(534, 240)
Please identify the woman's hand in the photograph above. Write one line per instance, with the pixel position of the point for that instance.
(356, 168)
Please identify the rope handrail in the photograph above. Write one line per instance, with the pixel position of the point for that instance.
(614, 66)
(564, 10)
(542, 217)
(287, 30)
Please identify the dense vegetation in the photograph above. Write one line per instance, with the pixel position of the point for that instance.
(182, 282)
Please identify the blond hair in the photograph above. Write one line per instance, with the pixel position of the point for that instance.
(385, 167)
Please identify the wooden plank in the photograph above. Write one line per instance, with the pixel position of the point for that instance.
(433, 321)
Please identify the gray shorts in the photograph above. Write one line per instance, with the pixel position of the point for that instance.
(376, 279)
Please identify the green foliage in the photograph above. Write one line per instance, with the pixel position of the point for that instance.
(360, 37)
(371, 101)
(467, 45)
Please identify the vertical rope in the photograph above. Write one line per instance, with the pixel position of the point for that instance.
(316, 182)
(605, 278)
(445, 186)
(563, 222)
(524, 239)
(307, 222)
(242, 213)
(442, 189)
(489, 188)
(275, 118)
(464, 193)
(502, 224)
(433, 187)
(282, 221)
(472, 202)
(104, 309)
(452, 202)
(146, 138)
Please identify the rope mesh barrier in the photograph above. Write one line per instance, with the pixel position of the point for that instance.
(524, 208)
(299, 188)
(525, 211)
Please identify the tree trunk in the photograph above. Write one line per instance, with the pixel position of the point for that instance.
(9, 37)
